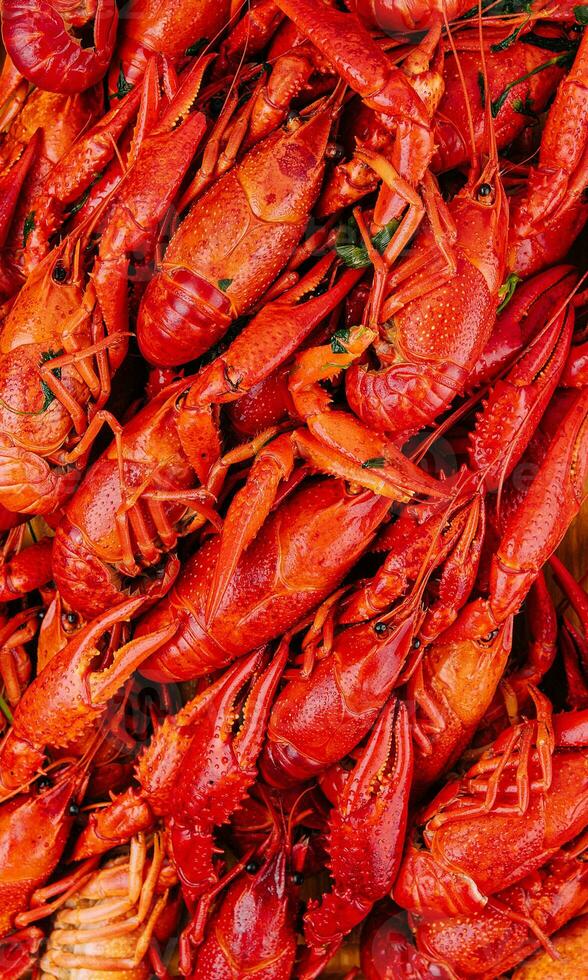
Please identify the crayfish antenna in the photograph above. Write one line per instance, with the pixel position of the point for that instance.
(470, 119)
(574, 651)
(490, 171)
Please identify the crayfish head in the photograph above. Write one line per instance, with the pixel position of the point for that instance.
(477, 623)
(262, 897)
(426, 886)
(60, 623)
(469, 658)
(51, 808)
(387, 951)
(480, 211)
(53, 295)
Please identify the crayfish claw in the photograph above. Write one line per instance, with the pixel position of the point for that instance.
(366, 830)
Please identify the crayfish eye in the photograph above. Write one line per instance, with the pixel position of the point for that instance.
(70, 619)
(73, 809)
(298, 878)
(416, 643)
(380, 628)
(44, 783)
(484, 191)
(59, 273)
(489, 637)
(334, 152)
(251, 867)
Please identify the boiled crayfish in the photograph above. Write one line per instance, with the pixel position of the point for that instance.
(293, 447)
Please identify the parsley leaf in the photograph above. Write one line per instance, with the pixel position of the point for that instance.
(48, 395)
(497, 104)
(29, 224)
(482, 88)
(5, 710)
(384, 236)
(122, 86)
(507, 290)
(340, 335)
(197, 47)
(351, 249)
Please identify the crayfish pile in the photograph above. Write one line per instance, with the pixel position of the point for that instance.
(293, 422)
